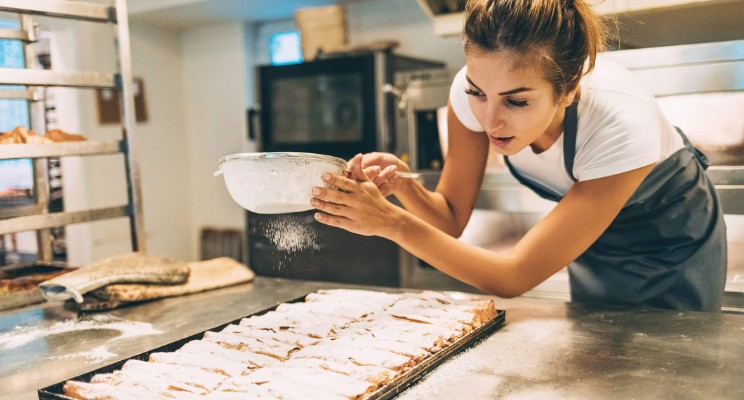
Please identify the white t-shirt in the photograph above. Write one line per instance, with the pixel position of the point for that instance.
(620, 128)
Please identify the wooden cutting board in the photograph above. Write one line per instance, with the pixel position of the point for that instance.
(205, 275)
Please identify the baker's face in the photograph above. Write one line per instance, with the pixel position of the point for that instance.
(513, 102)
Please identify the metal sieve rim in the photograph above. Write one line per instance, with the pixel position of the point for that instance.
(282, 155)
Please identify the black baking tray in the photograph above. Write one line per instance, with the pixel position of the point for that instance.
(413, 375)
(392, 389)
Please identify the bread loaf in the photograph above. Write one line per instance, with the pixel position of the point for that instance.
(57, 135)
(21, 135)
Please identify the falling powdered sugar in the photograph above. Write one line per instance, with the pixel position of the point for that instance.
(290, 233)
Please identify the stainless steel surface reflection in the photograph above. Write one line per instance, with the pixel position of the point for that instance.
(554, 350)
(547, 349)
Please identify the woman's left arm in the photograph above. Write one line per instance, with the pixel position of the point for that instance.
(564, 234)
(575, 223)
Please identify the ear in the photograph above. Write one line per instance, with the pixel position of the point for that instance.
(571, 96)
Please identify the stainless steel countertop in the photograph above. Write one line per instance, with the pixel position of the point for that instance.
(546, 349)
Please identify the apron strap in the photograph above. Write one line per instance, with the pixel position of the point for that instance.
(570, 122)
(569, 151)
(701, 157)
(536, 187)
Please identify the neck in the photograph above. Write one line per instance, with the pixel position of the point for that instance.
(554, 131)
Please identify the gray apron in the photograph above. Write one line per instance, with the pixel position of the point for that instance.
(666, 248)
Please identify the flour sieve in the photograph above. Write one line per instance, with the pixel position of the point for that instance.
(276, 183)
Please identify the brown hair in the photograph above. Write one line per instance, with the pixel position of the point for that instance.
(563, 34)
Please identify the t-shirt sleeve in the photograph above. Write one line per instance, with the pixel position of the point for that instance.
(459, 101)
(627, 138)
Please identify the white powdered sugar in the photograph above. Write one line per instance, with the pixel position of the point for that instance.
(23, 335)
(290, 233)
(96, 354)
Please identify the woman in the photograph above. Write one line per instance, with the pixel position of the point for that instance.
(636, 217)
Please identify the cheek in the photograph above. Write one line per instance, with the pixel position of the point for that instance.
(485, 111)
(524, 120)
(480, 111)
(477, 106)
(532, 121)
(538, 119)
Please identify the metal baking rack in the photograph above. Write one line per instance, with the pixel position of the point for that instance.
(36, 216)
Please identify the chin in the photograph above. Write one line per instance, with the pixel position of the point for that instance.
(505, 151)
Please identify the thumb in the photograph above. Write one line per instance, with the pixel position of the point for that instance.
(357, 172)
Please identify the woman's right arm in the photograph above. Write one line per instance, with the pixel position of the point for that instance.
(449, 207)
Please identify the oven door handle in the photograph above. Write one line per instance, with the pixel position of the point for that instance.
(252, 116)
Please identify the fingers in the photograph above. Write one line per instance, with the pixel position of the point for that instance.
(329, 196)
(385, 175)
(372, 172)
(364, 160)
(355, 166)
(333, 220)
(329, 207)
(374, 158)
(382, 181)
(345, 184)
(385, 189)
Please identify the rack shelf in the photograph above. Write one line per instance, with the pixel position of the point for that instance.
(29, 77)
(20, 94)
(61, 9)
(21, 211)
(65, 149)
(13, 34)
(45, 221)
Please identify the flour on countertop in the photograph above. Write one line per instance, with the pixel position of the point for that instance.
(523, 343)
(95, 354)
(23, 335)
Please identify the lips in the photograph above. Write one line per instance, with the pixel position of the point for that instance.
(500, 141)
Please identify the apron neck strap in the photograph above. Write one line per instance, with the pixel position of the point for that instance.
(570, 122)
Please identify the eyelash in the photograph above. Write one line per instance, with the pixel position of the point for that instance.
(471, 92)
(511, 102)
(517, 103)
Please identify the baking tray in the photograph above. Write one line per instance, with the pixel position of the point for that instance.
(392, 389)
(410, 377)
(27, 277)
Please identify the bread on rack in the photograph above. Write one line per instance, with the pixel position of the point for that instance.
(21, 135)
(10, 138)
(33, 138)
(57, 135)
(13, 137)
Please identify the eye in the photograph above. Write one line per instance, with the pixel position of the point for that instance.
(517, 103)
(471, 92)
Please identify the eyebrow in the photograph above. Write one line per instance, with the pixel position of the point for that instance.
(506, 93)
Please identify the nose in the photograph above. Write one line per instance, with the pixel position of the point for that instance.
(494, 119)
